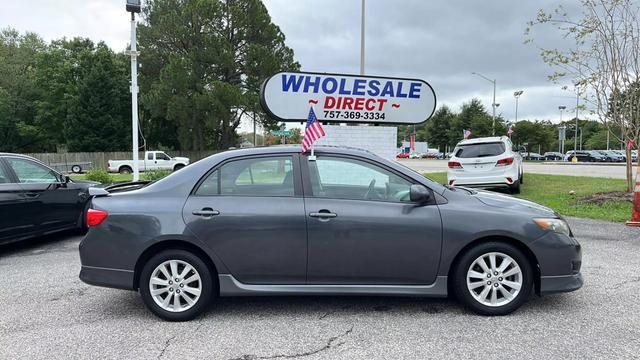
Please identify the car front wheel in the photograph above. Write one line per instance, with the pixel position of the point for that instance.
(493, 278)
(176, 285)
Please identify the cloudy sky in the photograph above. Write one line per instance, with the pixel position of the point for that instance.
(440, 41)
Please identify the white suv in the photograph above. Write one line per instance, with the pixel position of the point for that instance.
(487, 163)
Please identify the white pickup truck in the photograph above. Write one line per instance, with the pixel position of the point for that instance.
(152, 160)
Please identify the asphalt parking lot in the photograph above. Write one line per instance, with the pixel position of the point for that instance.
(615, 171)
(48, 313)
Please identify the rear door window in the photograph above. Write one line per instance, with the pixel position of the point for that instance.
(480, 150)
(267, 176)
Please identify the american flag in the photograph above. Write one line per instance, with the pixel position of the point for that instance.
(466, 133)
(312, 132)
(510, 131)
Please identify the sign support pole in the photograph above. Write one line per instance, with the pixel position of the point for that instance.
(134, 98)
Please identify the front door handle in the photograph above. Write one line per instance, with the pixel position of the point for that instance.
(31, 195)
(323, 214)
(206, 212)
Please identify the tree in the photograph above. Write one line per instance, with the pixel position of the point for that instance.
(436, 131)
(604, 63)
(473, 116)
(203, 62)
(98, 117)
(18, 92)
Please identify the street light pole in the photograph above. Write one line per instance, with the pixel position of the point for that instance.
(133, 6)
(362, 39)
(517, 96)
(493, 105)
(575, 140)
(561, 108)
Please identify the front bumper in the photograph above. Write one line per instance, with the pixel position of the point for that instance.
(556, 284)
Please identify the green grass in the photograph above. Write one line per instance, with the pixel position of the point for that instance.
(553, 191)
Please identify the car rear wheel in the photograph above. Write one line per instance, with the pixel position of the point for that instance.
(515, 187)
(493, 278)
(176, 285)
(125, 170)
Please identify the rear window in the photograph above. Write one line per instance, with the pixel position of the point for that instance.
(480, 150)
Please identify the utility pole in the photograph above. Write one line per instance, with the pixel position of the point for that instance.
(493, 104)
(134, 6)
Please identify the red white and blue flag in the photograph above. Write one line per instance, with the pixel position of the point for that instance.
(312, 132)
(466, 133)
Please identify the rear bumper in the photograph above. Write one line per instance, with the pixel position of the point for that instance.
(556, 284)
(484, 181)
(113, 278)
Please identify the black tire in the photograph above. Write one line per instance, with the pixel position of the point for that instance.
(125, 170)
(76, 169)
(463, 294)
(206, 277)
(521, 178)
(515, 188)
(178, 167)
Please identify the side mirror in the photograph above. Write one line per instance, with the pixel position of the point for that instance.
(419, 194)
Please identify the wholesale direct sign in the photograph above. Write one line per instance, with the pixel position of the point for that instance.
(287, 96)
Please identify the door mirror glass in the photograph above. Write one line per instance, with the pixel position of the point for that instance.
(419, 194)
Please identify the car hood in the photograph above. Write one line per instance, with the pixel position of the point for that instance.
(85, 184)
(512, 203)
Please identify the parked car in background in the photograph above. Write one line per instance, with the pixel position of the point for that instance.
(488, 162)
(347, 223)
(416, 156)
(598, 156)
(533, 156)
(634, 154)
(152, 160)
(612, 156)
(553, 156)
(402, 155)
(581, 156)
(36, 200)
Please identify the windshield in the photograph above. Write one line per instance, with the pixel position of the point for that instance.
(480, 150)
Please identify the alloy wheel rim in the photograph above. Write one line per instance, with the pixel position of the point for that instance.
(494, 279)
(175, 285)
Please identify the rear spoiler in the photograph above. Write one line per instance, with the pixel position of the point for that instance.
(119, 187)
(127, 186)
(95, 192)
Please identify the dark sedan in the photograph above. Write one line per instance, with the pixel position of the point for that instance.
(36, 200)
(272, 221)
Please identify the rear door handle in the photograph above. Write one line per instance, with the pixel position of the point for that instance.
(323, 215)
(206, 212)
(32, 195)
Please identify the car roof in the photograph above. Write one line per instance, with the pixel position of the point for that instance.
(20, 156)
(279, 149)
(482, 140)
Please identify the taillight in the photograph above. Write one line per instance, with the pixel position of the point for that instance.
(505, 162)
(454, 165)
(96, 217)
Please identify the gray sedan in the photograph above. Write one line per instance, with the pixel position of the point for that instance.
(271, 221)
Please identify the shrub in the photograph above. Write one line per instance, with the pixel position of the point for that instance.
(99, 175)
(155, 174)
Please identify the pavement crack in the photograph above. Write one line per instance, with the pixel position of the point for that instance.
(623, 283)
(167, 343)
(332, 342)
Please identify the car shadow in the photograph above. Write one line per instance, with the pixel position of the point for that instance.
(41, 243)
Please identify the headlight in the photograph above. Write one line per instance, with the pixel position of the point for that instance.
(557, 225)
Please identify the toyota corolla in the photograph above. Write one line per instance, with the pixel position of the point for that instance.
(271, 221)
